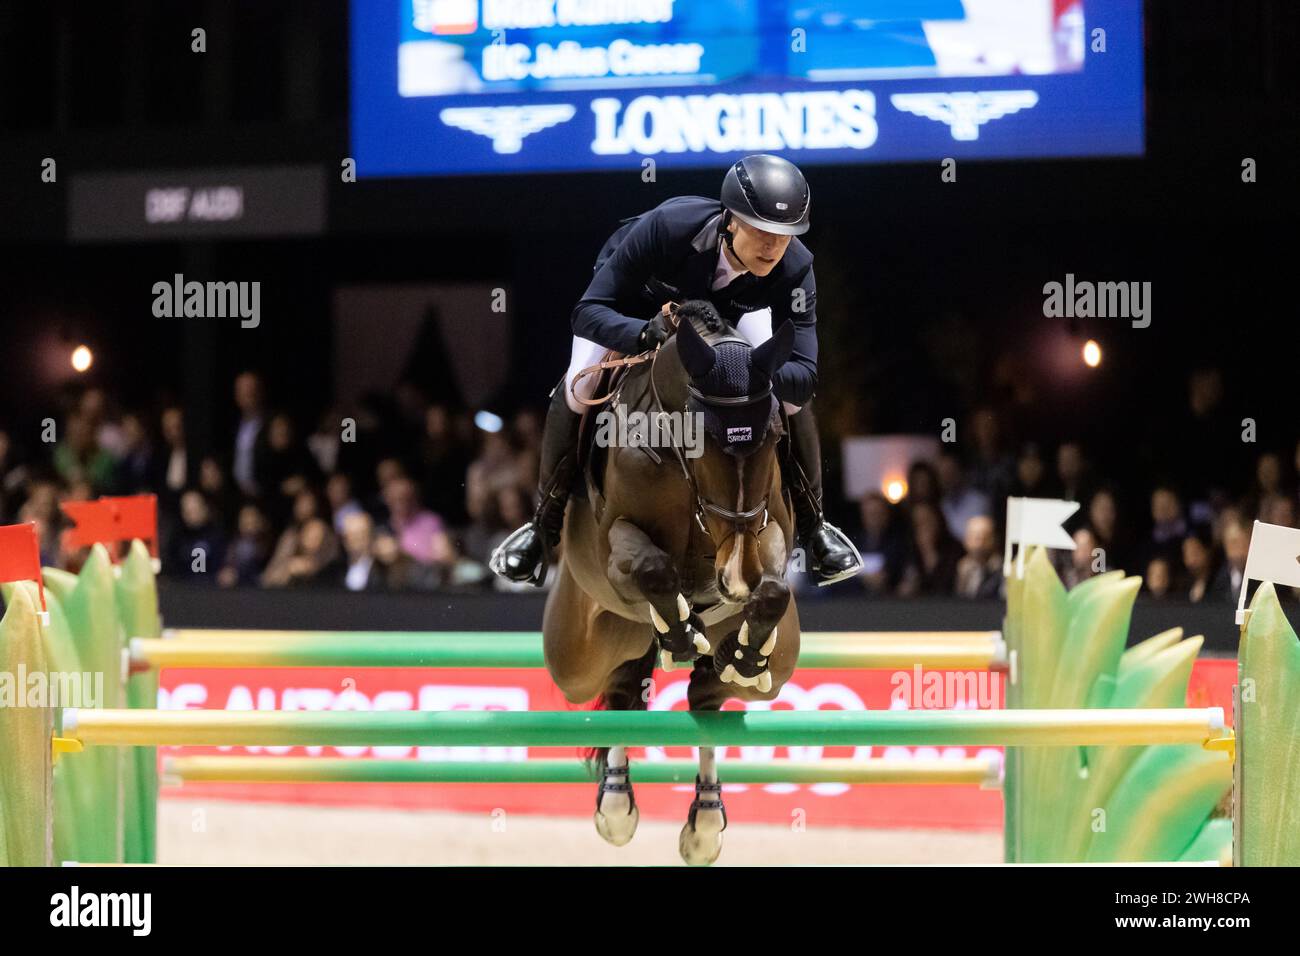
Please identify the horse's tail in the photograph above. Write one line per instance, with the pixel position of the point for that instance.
(627, 690)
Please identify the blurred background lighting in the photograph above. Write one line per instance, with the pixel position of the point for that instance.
(1091, 353)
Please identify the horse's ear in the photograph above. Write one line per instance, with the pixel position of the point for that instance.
(775, 352)
(696, 354)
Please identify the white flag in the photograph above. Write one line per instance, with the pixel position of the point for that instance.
(1274, 556)
(1037, 521)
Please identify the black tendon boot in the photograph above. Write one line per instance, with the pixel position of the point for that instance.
(831, 556)
(524, 555)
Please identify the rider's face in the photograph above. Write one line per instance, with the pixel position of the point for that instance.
(758, 251)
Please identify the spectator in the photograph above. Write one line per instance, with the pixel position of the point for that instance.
(507, 511)
(177, 472)
(883, 548)
(360, 571)
(324, 443)
(526, 429)
(991, 468)
(1159, 578)
(199, 549)
(443, 463)
(400, 571)
(78, 456)
(1072, 472)
(922, 483)
(1202, 442)
(1278, 509)
(1168, 527)
(249, 552)
(1084, 561)
(1103, 521)
(1236, 545)
(1198, 563)
(108, 433)
(338, 494)
(222, 497)
(1031, 473)
(306, 548)
(134, 469)
(249, 400)
(495, 467)
(933, 554)
(1267, 484)
(979, 572)
(420, 532)
(284, 466)
(958, 500)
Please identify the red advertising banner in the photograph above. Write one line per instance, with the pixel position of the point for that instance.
(883, 806)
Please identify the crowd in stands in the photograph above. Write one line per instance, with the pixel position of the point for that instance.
(406, 494)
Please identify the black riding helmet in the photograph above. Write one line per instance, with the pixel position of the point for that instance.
(768, 193)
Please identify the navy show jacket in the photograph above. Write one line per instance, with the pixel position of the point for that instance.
(671, 253)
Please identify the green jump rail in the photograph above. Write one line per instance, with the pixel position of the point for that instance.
(1024, 728)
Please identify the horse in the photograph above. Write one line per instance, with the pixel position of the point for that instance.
(680, 552)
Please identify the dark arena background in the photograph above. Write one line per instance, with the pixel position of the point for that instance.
(405, 200)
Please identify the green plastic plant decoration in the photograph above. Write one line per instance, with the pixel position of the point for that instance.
(85, 643)
(137, 609)
(1267, 805)
(26, 726)
(1112, 804)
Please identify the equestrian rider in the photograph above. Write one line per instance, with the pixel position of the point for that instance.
(741, 255)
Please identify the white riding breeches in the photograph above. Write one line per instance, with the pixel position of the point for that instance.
(754, 327)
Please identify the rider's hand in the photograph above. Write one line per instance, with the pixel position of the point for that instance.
(656, 331)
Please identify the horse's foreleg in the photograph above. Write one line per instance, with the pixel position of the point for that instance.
(616, 813)
(700, 841)
(641, 571)
(744, 658)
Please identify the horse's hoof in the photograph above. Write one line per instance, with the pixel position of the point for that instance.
(737, 661)
(701, 844)
(616, 813)
(617, 828)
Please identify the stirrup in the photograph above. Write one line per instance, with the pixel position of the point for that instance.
(497, 561)
(852, 569)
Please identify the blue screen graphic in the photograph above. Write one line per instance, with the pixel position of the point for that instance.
(445, 87)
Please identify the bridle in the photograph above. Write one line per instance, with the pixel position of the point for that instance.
(703, 506)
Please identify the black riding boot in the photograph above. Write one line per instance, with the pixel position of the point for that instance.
(831, 556)
(524, 555)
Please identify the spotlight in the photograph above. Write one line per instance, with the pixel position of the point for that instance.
(1091, 353)
(894, 490)
(488, 421)
(82, 358)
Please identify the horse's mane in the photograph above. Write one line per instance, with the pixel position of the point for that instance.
(705, 318)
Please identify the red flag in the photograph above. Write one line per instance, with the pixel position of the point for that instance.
(109, 520)
(20, 555)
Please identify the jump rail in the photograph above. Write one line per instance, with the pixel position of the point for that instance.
(957, 650)
(982, 771)
(1020, 728)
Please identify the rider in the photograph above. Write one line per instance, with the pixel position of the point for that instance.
(740, 255)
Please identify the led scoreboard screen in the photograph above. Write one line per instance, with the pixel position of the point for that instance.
(478, 86)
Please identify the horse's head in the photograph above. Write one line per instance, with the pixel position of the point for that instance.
(730, 389)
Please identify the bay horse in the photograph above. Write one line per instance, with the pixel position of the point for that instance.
(681, 552)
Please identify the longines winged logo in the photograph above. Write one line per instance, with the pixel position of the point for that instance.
(507, 126)
(965, 112)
